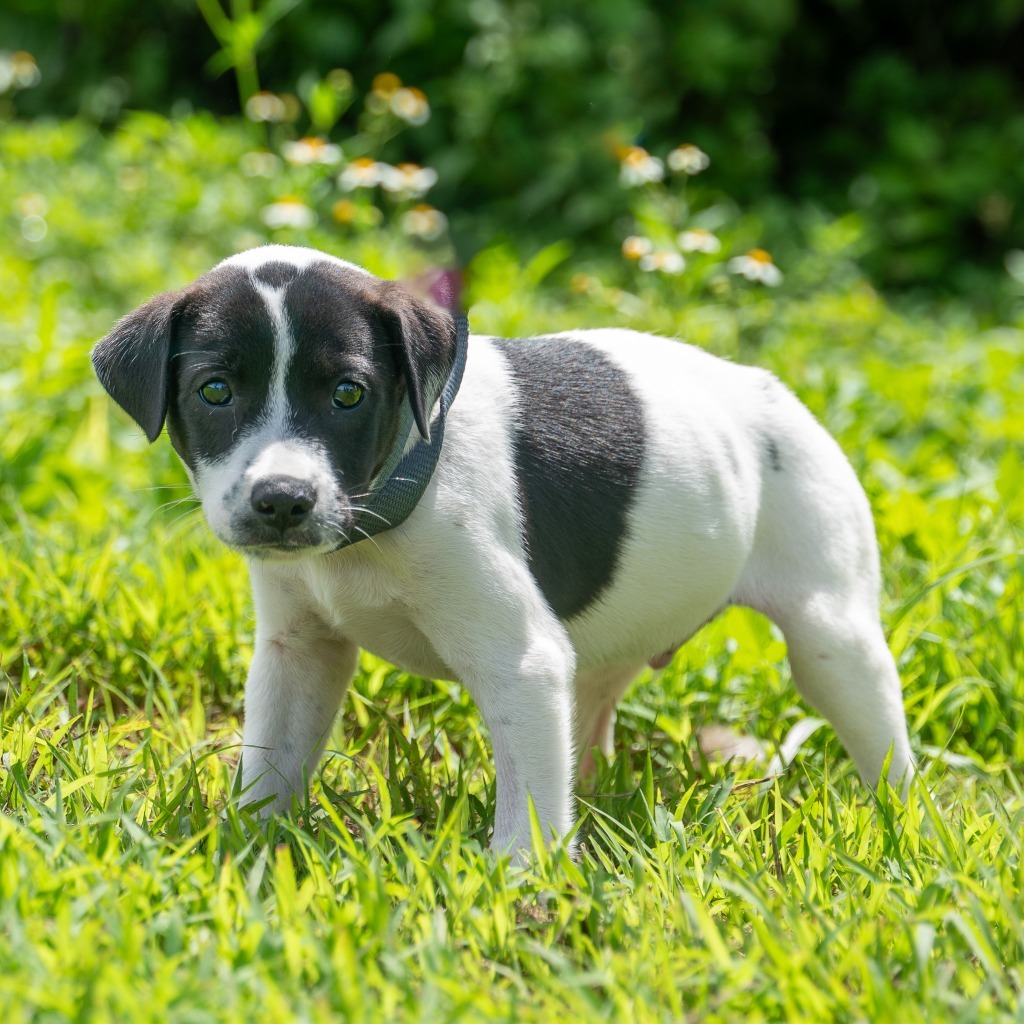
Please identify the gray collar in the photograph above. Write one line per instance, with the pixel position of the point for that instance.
(404, 477)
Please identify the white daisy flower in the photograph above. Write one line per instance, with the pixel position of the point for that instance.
(259, 163)
(424, 222)
(638, 167)
(689, 159)
(26, 71)
(312, 151)
(362, 173)
(33, 228)
(265, 106)
(411, 105)
(756, 265)
(1014, 263)
(663, 261)
(410, 180)
(288, 212)
(18, 71)
(698, 240)
(386, 84)
(636, 246)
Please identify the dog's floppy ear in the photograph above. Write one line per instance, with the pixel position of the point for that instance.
(132, 362)
(423, 337)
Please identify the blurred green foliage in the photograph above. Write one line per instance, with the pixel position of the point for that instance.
(911, 113)
(129, 886)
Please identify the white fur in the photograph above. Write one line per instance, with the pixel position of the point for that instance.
(448, 594)
(296, 255)
(284, 351)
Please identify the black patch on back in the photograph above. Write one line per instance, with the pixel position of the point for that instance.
(579, 445)
(275, 274)
(772, 451)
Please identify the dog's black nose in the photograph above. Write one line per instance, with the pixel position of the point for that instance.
(283, 501)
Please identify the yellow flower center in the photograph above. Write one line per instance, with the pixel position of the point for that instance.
(386, 84)
(635, 156)
(759, 256)
(344, 211)
(634, 247)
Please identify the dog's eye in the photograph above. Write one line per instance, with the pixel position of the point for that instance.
(347, 395)
(215, 392)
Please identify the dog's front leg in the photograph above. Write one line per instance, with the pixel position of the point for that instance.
(298, 676)
(516, 660)
(527, 705)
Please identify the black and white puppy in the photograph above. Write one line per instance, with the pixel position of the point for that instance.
(598, 497)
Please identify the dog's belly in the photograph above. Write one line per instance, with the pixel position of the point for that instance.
(689, 536)
(664, 590)
(638, 628)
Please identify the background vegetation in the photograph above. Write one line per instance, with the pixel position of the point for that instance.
(910, 114)
(874, 153)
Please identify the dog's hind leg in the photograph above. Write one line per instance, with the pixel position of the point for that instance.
(814, 570)
(842, 666)
(597, 693)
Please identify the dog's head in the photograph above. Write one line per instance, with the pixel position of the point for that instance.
(282, 375)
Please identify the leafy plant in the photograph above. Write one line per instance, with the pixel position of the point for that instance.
(240, 31)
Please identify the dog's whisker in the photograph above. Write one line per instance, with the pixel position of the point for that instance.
(338, 529)
(184, 515)
(369, 512)
(168, 505)
(158, 487)
(368, 537)
(188, 521)
(368, 494)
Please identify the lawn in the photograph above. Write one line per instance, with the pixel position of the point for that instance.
(130, 887)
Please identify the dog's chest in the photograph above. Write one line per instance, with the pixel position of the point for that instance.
(374, 609)
(392, 635)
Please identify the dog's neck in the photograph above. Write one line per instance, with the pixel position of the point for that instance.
(398, 487)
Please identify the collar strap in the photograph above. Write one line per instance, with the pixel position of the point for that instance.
(404, 477)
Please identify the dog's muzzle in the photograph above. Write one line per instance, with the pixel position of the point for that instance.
(283, 503)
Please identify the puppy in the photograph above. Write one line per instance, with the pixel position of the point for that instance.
(536, 518)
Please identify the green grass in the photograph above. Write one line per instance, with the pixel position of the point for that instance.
(131, 890)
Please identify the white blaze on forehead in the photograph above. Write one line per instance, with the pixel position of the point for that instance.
(301, 259)
(276, 412)
(296, 256)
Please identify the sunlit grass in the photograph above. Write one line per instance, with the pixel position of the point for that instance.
(131, 888)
